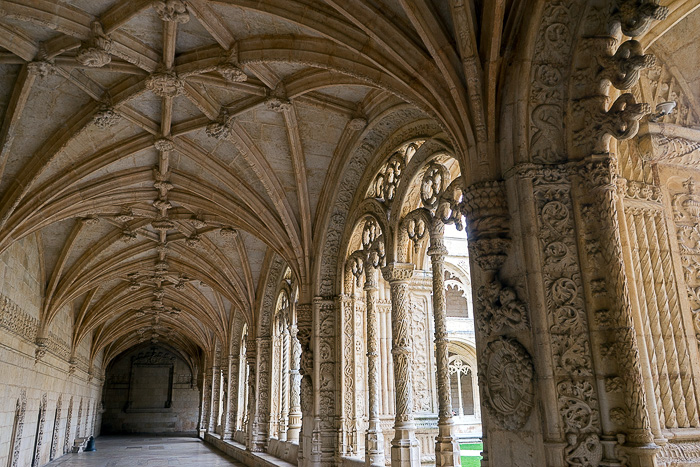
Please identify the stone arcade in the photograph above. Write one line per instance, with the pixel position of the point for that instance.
(242, 219)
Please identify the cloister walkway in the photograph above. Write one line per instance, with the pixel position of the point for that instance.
(132, 451)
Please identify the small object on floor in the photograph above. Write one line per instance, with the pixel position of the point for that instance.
(91, 445)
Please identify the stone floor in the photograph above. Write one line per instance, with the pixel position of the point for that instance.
(132, 451)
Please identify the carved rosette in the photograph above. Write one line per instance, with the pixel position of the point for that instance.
(486, 210)
(508, 374)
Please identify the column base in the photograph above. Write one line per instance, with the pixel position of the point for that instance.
(405, 451)
(374, 449)
(447, 453)
(641, 456)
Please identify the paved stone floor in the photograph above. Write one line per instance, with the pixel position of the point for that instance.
(132, 451)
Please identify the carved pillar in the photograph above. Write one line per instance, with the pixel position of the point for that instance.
(261, 409)
(232, 404)
(206, 402)
(215, 395)
(502, 329)
(324, 437)
(595, 200)
(405, 450)
(250, 356)
(284, 386)
(295, 383)
(374, 438)
(447, 452)
(225, 381)
(306, 401)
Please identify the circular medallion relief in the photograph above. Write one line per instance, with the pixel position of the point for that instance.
(508, 373)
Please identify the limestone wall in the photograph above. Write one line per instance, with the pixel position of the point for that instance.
(68, 402)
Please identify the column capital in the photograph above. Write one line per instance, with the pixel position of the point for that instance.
(398, 272)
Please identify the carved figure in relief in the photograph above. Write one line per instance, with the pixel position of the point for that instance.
(508, 374)
(586, 453)
(500, 308)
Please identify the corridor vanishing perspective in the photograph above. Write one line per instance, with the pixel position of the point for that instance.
(350, 233)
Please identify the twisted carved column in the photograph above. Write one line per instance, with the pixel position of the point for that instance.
(405, 450)
(374, 441)
(284, 387)
(295, 393)
(447, 451)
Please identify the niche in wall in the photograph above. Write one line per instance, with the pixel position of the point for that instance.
(151, 381)
(150, 388)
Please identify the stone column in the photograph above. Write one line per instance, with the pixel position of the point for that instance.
(306, 401)
(261, 409)
(374, 439)
(446, 446)
(215, 396)
(206, 403)
(405, 450)
(284, 386)
(225, 377)
(229, 421)
(250, 422)
(595, 199)
(295, 383)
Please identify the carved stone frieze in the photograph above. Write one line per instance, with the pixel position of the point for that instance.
(508, 374)
(17, 321)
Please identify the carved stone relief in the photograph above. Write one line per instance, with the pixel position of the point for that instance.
(69, 419)
(508, 373)
(36, 458)
(20, 412)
